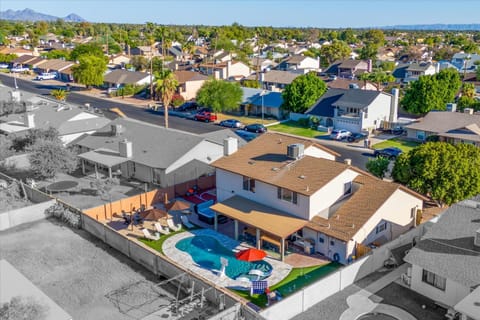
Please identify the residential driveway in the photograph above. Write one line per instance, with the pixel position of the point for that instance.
(82, 275)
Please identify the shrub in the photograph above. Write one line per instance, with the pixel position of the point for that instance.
(20, 308)
(177, 100)
(314, 122)
(61, 213)
(304, 122)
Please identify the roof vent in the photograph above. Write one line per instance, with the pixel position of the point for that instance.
(275, 169)
(295, 151)
(301, 176)
(116, 129)
(251, 162)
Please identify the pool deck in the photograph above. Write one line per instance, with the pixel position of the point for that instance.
(280, 269)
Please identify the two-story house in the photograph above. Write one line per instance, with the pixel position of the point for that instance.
(414, 70)
(465, 61)
(189, 82)
(355, 110)
(284, 187)
(298, 63)
(229, 70)
(275, 80)
(350, 69)
(445, 262)
(453, 127)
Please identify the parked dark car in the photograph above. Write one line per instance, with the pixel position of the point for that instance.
(231, 123)
(390, 153)
(247, 136)
(187, 106)
(356, 137)
(205, 116)
(256, 127)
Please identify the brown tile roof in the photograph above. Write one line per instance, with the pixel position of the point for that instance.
(265, 159)
(356, 210)
(7, 50)
(350, 64)
(24, 59)
(261, 216)
(56, 64)
(184, 76)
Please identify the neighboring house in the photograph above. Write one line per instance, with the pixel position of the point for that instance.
(414, 70)
(299, 63)
(341, 83)
(275, 80)
(148, 153)
(256, 100)
(55, 65)
(400, 71)
(445, 262)
(465, 61)
(70, 120)
(229, 70)
(23, 60)
(17, 51)
(453, 127)
(349, 68)
(262, 64)
(291, 190)
(118, 61)
(355, 110)
(189, 82)
(121, 77)
(147, 51)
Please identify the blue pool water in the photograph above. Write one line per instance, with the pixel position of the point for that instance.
(206, 251)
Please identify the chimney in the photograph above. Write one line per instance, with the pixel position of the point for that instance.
(394, 105)
(262, 77)
(30, 120)
(230, 146)
(116, 129)
(452, 107)
(348, 162)
(125, 148)
(468, 110)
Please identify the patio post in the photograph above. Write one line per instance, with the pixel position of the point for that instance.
(258, 238)
(282, 249)
(110, 172)
(215, 222)
(83, 167)
(235, 222)
(96, 171)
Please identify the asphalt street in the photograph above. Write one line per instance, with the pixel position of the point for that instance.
(353, 151)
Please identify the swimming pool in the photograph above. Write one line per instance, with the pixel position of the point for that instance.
(206, 252)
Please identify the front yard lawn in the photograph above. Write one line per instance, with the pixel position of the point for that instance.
(292, 127)
(404, 145)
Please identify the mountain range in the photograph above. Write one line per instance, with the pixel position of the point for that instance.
(31, 15)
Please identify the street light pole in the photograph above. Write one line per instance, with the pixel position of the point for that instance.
(263, 105)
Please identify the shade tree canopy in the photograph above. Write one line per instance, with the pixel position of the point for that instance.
(303, 92)
(220, 95)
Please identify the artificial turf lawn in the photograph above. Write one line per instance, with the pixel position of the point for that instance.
(292, 127)
(404, 145)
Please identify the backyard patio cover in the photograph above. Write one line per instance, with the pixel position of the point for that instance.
(105, 157)
(260, 216)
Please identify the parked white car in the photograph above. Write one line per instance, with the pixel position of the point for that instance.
(47, 76)
(19, 69)
(3, 66)
(340, 134)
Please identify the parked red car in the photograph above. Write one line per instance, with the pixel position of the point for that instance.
(205, 116)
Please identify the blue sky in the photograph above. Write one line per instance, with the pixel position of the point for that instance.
(292, 13)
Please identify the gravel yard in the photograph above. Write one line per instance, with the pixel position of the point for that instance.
(81, 274)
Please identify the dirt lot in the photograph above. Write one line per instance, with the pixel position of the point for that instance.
(82, 275)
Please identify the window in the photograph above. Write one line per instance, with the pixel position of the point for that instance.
(381, 227)
(332, 243)
(433, 280)
(321, 240)
(287, 195)
(347, 188)
(248, 184)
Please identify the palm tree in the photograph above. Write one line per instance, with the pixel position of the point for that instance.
(166, 86)
(59, 94)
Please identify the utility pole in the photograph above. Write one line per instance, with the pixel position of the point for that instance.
(151, 72)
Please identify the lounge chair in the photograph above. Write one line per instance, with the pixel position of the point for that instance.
(172, 225)
(161, 229)
(186, 222)
(149, 236)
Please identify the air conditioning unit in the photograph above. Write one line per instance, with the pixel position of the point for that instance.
(295, 151)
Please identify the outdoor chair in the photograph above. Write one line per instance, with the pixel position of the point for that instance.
(149, 236)
(186, 222)
(172, 225)
(126, 218)
(161, 229)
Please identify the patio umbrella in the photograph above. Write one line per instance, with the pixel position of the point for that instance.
(251, 254)
(154, 214)
(177, 205)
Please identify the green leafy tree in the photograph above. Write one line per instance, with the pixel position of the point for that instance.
(251, 84)
(338, 50)
(6, 148)
(377, 78)
(369, 51)
(348, 36)
(468, 90)
(378, 167)
(166, 87)
(220, 95)
(447, 173)
(90, 70)
(303, 92)
(432, 92)
(49, 157)
(105, 186)
(86, 49)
